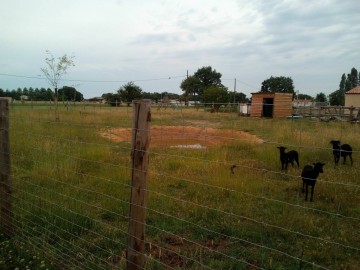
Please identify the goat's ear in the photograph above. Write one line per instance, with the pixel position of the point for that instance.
(314, 164)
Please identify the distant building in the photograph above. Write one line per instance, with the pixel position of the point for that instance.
(352, 97)
(97, 100)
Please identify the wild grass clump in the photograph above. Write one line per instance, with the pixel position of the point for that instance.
(21, 255)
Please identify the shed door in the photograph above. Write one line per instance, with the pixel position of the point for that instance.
(268, 106)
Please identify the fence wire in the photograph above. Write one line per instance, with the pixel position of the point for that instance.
(216, 195)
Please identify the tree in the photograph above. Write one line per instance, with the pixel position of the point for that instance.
(321, 97)
(304, 96)
(277, 85)
(353, 78)
(337, 98)
(239, 97)
(342, 83)
(68, 93)
(217, 95)
(191, 86)
(203, 78)
(112, 99)
(153, 96)
(208, 77)
(54, 71)
(129, 92)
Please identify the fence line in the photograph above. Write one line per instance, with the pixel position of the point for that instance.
(230, 190)
(83, 188)
(219, 187)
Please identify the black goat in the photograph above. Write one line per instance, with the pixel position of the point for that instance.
(341, 150)
(288, 157)
(309, 175)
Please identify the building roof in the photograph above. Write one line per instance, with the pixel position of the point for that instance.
(355, 90)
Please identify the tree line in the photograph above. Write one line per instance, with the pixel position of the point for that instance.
(65, 93)
(204, 85)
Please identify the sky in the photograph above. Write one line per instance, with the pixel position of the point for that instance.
(157, 43)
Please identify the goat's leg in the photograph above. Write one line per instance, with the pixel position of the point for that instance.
(306, 192)
(350, 156)
(303, 187)
(286, 165)
(344, 159)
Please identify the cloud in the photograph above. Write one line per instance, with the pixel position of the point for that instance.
(248, 40)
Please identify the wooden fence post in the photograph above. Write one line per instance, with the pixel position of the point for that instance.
(6, 214)
(140, 161)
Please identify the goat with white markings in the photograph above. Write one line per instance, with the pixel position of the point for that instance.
(289, 157)
(341, 150)
(309, 175)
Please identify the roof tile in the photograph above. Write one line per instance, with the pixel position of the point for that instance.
(355, 90)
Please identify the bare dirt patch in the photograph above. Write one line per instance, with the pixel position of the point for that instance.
(184, 135)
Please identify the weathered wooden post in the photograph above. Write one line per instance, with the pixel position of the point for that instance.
(140, 161)
(6, 214)
(351, 109)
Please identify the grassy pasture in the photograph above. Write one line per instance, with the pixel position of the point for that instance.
(71, 194)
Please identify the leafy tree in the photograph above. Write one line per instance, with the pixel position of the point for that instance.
(129, 92)
(45, 94)
(112, 99)
(153, 96)
(54, 71)
(354, 79)
(239, 97)
(342, 83)
(277, 85)
(217, 95)
(208, 77)
(18, 94)
(337, 98)
(170, 95)
(203, 78)
(191, 86)
(348, 83)
(304, 96)
(321, 97)
(68, 93)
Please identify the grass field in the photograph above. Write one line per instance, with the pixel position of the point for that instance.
(72, 189)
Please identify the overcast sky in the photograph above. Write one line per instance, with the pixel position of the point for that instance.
(154, 43)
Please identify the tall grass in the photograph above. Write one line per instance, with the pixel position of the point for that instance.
(72, 189)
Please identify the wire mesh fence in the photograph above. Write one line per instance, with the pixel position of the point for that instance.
(217, 197)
